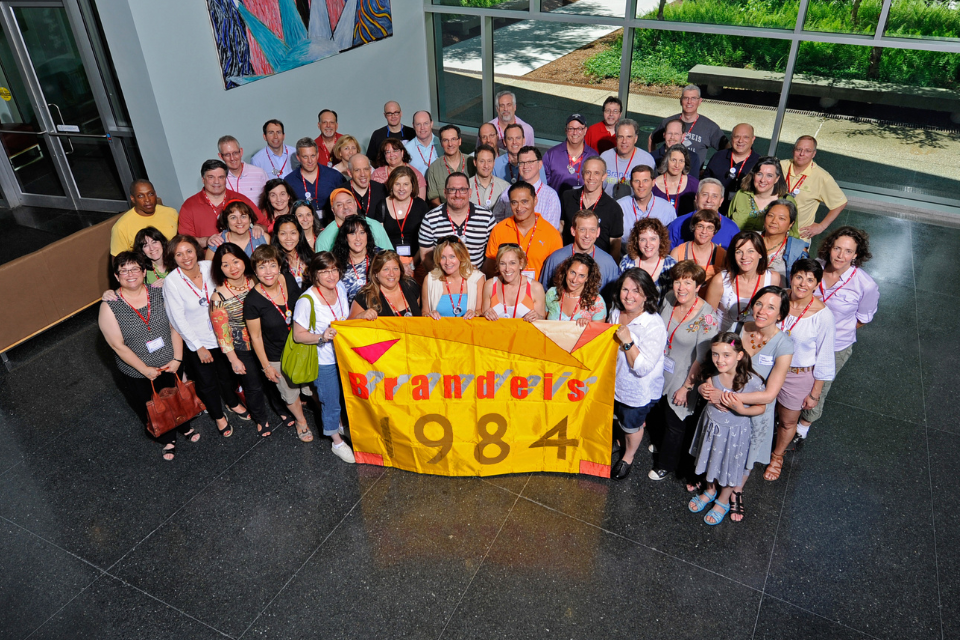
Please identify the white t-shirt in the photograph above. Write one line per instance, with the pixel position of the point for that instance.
(325, 314)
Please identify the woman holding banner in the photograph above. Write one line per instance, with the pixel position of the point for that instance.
(388, 292)
(512, 285)
(642, 337)
(454, 289)
(575, 294)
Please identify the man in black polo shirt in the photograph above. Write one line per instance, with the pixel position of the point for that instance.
(592, 196)
(730, 165)
(394, 129)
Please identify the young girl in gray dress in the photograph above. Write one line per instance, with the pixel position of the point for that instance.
(722, 441)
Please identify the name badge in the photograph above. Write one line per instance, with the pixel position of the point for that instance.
(403, 250)
(668, 364)
(766, 360)
(795, 192)
(155, 345)
(529, 273)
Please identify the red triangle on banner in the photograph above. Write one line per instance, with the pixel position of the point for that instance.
(590, 332)
(372, 352)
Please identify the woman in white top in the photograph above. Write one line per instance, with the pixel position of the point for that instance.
(327, 301)
(731, 290)
(186, 295)
(510, 294)
(642, 337)
(811, 327)
(454, 288)
(849, 293)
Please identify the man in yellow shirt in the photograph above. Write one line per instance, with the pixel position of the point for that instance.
(526, 228)
(145, 213)
(810, 185)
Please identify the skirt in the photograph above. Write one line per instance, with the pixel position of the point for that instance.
(720, 450)
(795, 388)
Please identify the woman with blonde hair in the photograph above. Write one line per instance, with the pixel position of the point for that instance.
(345, 148)
(511, 286)
(454, 289)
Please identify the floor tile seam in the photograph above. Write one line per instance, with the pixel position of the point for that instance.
(65, 605)
(926, 437)
(309, 557)
(822, 617)
(53, 544)
(876, 413)
(167, 604)
(486, 553)
(9, 469)
(941, 430)
(496, 486)
(183, 506)
(641, 544)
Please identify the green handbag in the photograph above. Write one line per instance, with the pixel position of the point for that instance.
(299, 362)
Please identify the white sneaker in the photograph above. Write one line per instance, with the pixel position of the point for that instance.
(652, 448)
(344, 452)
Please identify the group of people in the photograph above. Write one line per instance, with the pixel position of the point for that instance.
(729, 333)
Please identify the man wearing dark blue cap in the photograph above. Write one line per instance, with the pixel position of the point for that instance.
(563, 163)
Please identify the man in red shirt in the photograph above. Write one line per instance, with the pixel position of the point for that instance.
(328, 136)
(603, 135)
(199, 213)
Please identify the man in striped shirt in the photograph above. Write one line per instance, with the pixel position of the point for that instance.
(457, 216)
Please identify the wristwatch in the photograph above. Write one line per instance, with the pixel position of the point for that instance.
(626, 346)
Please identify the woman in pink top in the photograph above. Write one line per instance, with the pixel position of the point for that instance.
(392, 155)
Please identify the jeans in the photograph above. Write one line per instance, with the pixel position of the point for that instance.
(328, 393)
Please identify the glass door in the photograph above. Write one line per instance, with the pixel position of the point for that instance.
(59, 150)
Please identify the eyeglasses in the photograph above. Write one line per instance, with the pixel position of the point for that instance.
(391, 113)
(132, 271)
(232, 154)
(458, 190)
(450, 238)
(576, 129)
(327, 272)
(526, 163)
(511, 245)
(689, 99)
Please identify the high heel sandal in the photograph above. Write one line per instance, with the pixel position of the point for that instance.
(172, 451)
(774, 468)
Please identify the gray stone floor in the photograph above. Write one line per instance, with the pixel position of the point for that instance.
(252, 538)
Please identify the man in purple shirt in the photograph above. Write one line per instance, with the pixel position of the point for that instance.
(506, 115)
(564, 162)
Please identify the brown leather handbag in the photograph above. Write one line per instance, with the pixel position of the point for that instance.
(172, 407)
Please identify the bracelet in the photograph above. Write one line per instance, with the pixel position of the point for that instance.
(814, 397)
(178, 360)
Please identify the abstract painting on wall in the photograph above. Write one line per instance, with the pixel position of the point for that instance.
(258, 38)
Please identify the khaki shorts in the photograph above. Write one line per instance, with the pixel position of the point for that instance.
(288, 391)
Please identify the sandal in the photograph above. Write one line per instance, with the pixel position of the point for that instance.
(288, 421)
(698, 504)
(736, 506)
(718, 513)
(243, 415)
(193, 435)
(696, 487)
(305, 434)
(264, 430)
(226, 431)
(774, 468)
(170, 450)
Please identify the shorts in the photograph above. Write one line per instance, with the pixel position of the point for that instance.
(288, 391)
(632, 418)
(795, 388)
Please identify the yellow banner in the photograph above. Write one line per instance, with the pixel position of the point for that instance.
(477, 398)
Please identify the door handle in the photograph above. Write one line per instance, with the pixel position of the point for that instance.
(60, 113)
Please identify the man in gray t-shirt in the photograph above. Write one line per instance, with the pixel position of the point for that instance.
(700, 132)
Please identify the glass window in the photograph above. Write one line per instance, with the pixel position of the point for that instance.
(543, 64)
(772, 14)
(459, 90)
(843, 16)
(508, 5)
(612, 8)
(881, 117)
(924, 19)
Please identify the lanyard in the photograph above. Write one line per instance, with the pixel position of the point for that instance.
(397, 313)
(355, 273)
(429, 159)
(592, 207)
(646, 213)
(146, 320)
(574, 164)
(447, 165)
(283, 297)
(516, 303)
(710, 253)
(203, 194)
(736, 174)
(679, 324)
(476, 184)
(690, 130)
(359, 200)
(306, 193)
(822, 292)
(446, 285)
(795, 189)
(401, 222)
(239, 178)
(286, 159)
(300, 266)
(779, 252)
(330, 306)
(532, 233)
(736, 284)
(622, 179)
(196, 292)
(454, 227)
(676, 197)
(659, 260)
(576, 307)
(784, 322)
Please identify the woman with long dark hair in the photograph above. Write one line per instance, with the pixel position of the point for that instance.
(354, 249)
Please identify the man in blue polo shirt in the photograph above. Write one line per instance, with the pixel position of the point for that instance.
(709, 196)
(311, 181)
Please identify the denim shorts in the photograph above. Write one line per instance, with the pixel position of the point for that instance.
(632, 418)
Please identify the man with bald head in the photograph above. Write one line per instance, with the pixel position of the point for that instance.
(368, 193)
(730, 165)
(394, 129)
(709, 196)
(488, 135)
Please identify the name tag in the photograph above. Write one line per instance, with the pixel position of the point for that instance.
(766, 360)
(403, 250)
(795, 192)
(155, 345)
(529, 273)
(668, 364)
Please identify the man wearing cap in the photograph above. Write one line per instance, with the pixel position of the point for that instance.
(564, 162)
(343, 204)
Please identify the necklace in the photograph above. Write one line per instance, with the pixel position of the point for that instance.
(244, 287)
(753, 345)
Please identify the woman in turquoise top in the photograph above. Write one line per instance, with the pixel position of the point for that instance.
(575, 294)
(236, 224)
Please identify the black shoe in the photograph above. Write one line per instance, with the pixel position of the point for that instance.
(620, 470)
(796, 444)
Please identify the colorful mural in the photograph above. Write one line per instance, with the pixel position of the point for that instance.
(258, 38)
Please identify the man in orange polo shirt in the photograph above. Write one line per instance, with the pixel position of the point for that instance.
(537, 237)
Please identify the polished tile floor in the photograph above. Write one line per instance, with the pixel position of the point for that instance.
(273, 538)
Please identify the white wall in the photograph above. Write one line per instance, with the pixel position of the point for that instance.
(167, 64)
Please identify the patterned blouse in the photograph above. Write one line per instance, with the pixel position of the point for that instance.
(231, 331)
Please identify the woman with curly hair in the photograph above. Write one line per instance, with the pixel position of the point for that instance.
(388, 291)
(291, 243)
(575, 294)
(758, 190)
(850, 293)
(277, 199)
(649, 249)
(354, 249)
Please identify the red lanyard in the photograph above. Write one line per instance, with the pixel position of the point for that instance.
(784, 322)
(640, 259)
(238, 179)
(532, 233)
(690, 130)
(447, 165)
(736, 284)
(616, 166)
(476, 184)
(446, 285)
(796, 188)
(823, 293)
(574, 163)
(735, 174)
(401, 222)
(429, 159)
(636, 212)
(203, 194)
(666, 188)
(306, 193)
(686, 315)
(393, 308)
(146, 320)
(330, 306)
(283, 297)
(352, 266)
(576, 307)
(516, 303)
(286, 159)
(592, 207)
(454, 227)
(359, 200)
(196, 291)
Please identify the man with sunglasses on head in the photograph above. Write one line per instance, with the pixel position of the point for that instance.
(457, 216)
(699, 132)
